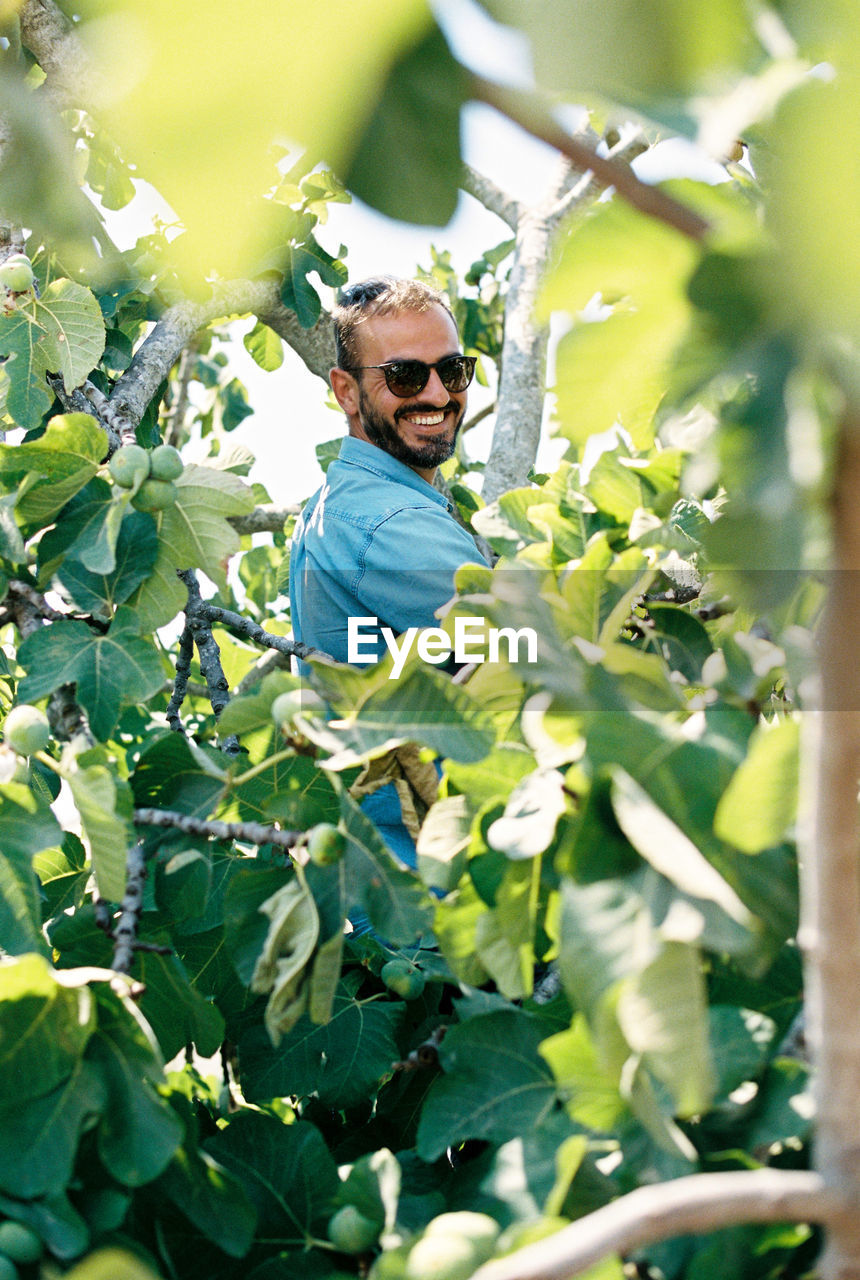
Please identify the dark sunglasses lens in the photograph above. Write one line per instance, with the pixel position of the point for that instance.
(407, 377)
(456, 372)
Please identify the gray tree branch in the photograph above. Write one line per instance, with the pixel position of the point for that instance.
(490, 196)
(700, 1203)
(267, 518)
(245, 832)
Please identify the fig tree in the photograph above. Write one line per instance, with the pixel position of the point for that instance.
(165, 463)
(19, 1242)
(26, 731)
(128, 465)
(17, 274)
(351, 1232)
(154, 495)
(8, 1270)
(403, 978)
(326, 845)
(442, 1258)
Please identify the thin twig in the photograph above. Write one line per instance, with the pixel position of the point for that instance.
(492, 197)
(529, 112)
(208, 652)
(246, 832)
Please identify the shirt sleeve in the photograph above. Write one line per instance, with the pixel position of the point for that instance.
(409, 564)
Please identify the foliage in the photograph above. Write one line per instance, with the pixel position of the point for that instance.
(604, 915)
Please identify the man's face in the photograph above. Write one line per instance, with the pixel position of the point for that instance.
(421, 431)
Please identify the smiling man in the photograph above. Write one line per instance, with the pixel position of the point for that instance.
(378, 541)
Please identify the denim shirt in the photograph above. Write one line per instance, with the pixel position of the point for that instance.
(375, 541)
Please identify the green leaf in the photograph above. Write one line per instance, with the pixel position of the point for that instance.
(425, 84)
(109, 671)
(286, 1171)
(393, 899)
(138, 1132)
(26, 827)
(297, 292)
(590, 1095)
(193, 533)
(342, 1061)
(58, 464)
(760, 802)
(176, 1011)
(133, 555)
(495, 1084)
(742, 1041)
(265, 347)
(212, 1199)
(89, 526)
(101, 799)
(74, 331)
(442, 842)
(174, 773)
(39, 1141)
(44, 1028)
(27, 394)
(662, 1011)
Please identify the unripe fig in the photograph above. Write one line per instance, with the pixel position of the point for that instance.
(165, 463)
(17, 276)
(442, 1258)
(326, 845)
(19, 1242)
(479, 1229)
(8, 1270)
(292, 703)
(128, 465)
(26, 730)
(154, 495)
(403, 979)
(351, 1232)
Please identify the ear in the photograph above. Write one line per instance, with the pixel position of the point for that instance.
(345, 390)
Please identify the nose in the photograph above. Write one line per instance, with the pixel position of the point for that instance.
(435, 391)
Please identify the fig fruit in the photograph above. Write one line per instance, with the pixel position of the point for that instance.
(154, 495)
(19, 1242)
(480, 1230)
(17, 274)
(128, 465)
(351, 1232)
(442, 1258)
(26, 731)
(326, 845)
(165, 463)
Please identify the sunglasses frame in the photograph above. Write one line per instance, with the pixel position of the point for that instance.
(390, 365)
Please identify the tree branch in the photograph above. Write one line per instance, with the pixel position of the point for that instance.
(528, 111)
(700, 1203)
(200, 627)
(158, 353)
(266, 518)
(245, 832)
(490, 196)
(125, 933)
(180, 684)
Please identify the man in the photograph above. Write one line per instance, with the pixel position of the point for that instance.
(378, 540)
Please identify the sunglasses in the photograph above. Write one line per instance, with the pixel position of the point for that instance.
(405, 378)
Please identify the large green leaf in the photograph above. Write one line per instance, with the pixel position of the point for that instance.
(176, 1011)
(193, 533)
(61, 332)
(590, 1094)
(26, 827)
(102, 800)
(133, 549)
(89, 526)
(394, 899)
(760, 802)
(286, 1171)
(342, 1061)
(55, 466)
(425, 84)
(109, 670)
(297, 292)
(44, 1028)
(174, 773)
(39, 1140)
(495, 1084)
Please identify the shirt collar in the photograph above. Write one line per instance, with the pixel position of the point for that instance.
(362, 453)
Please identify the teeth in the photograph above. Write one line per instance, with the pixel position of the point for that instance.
(427, 420)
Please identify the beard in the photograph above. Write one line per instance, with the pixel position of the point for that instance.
(384, 434)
